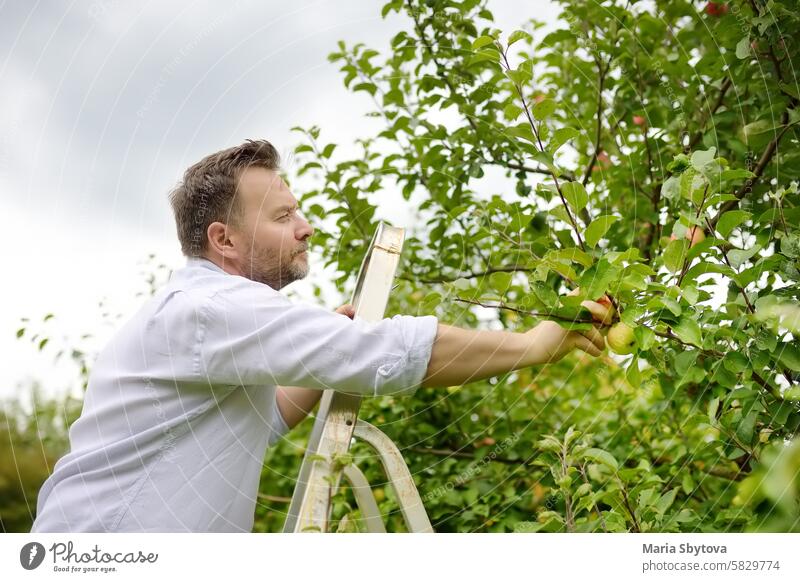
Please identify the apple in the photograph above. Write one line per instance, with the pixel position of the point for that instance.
(604, 318)
(695, 235)
(639, 120)
(716, 8)
(603, 313)
(620, 338)
(603, 162)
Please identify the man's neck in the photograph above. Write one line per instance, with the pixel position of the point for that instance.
(228, 267)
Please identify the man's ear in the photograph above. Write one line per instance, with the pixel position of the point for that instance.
(223, 240)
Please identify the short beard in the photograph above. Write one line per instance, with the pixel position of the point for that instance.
(264, 267)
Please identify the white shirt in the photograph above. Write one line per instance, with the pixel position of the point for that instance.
(180, 406)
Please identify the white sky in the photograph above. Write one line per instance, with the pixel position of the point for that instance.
(102, 107)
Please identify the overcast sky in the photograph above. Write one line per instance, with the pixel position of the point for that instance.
(102, 107)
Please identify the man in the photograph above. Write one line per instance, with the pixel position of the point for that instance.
(184, 400)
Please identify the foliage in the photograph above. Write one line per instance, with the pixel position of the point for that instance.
(32, 438)
(536, 162)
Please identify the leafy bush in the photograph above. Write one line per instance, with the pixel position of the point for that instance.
(32, 438)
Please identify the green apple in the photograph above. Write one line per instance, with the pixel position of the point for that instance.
(620, 338)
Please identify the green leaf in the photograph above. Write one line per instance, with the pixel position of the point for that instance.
(737, 175)
(730, 220)
(596, 279)
(368, 87)
(713, 406)
(672, 188)
(665, 501)
(789, 356)
(688, 330)
(519, 76)
(645, 337)
(746, 427)
(674, 254)
(544, 109)
(598, 228)
(668, 303)
(602, 457)
(544, 294)
(518, 35)
(743, 48)
(500, 282)
(572, 254)
(575, 194)
(632, 374)
(482, 41)
(701, 159)
(738, 257)
(328, 150)
(561, 136)
(757, 128)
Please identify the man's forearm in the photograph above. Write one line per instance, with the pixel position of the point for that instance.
(295, 402)
(460, 356)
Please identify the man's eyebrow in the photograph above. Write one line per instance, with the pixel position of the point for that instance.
(286, 207)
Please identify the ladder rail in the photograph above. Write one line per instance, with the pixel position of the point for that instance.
(337, 417)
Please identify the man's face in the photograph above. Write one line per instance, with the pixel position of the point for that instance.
(274, 232)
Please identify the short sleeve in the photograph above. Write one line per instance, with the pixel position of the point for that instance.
(256, 335)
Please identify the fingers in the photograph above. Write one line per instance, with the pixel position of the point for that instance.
(585, 344)
(600, 313)
(595, 337)
(347, 310)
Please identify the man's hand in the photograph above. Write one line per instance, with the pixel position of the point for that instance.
(552, 342)
(346, 309)
(460, 356)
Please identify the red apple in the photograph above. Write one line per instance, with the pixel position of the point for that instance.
(639, 120)
(716, 8)
(602, 309)
(603, 162)
(695, 235)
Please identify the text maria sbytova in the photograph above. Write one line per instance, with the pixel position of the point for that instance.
(683, 549)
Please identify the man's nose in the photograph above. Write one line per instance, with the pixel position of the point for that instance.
(305, 230)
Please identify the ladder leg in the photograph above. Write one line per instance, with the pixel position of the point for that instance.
(365, 499)
(398, 475)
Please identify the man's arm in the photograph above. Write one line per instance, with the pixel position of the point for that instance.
(295, 402)
(460, 356)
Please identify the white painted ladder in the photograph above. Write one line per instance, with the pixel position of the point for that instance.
(337, 423)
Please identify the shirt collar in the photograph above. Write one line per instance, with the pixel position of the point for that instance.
(204, 263)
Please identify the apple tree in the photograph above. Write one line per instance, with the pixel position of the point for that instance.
(643, 151)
